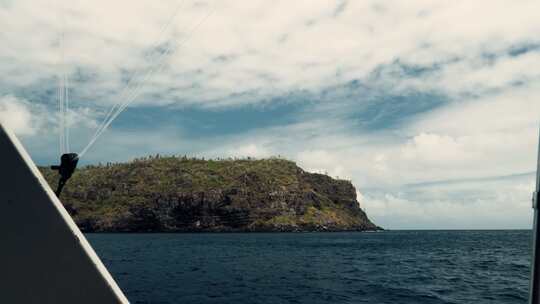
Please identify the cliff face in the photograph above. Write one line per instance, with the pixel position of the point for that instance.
(178, 194)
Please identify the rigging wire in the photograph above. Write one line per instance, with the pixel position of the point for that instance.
(62, 92)
(60, 111)
(128, 87)
(65, 87)
(60, 81)
(138, 90)
(134, 93)
(61, 100)
(66, 113)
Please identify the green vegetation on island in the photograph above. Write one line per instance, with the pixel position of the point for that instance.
(176, 194)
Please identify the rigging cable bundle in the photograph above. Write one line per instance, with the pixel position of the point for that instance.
(68, 161)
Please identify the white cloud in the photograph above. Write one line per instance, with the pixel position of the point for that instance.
(503, 203)
(17, 115)
(321, 161)
(514, 108)
(249, 52)
(265, 48)
(249, 150)
(433, 149)
(39, 126)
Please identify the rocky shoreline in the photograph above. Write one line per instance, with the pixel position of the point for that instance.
(180, 194)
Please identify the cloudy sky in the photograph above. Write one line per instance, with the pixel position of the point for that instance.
(431, 108)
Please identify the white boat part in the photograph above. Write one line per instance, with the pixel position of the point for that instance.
(44, 256)
(534, 288)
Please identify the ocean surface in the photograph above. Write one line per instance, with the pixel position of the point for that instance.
(386, 267)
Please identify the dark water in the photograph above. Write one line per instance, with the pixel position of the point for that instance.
(389, 267)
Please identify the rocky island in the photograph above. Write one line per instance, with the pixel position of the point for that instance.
(180, 194)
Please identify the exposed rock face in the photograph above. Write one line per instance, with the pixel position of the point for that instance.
(179, 194)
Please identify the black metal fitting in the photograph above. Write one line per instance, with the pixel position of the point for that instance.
(68, 164)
